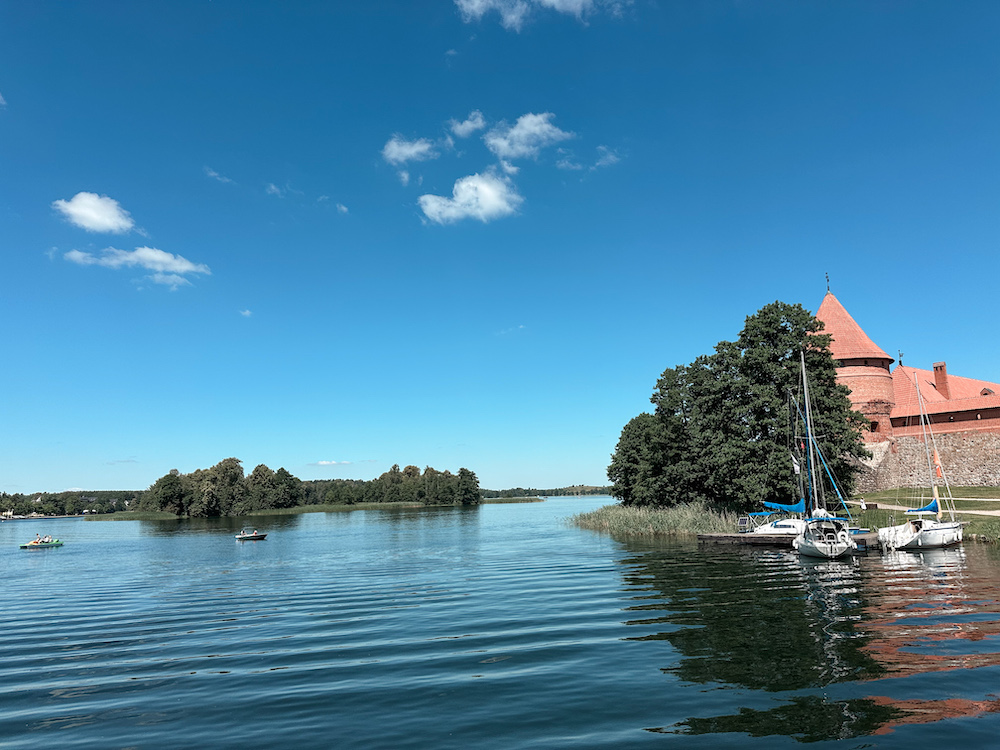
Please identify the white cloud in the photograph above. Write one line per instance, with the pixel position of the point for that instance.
(398, 150)
(527, 137)
(173, 280)
(607, 157)
(404, 177)
(273, 189)
(479, 196)
(215, 175)
(475, 121)
(246, 313)
(95, 213)
(514, 13)
(567, 160)
(341, 208)
(332, 463)
(3, 102)
(168, 269)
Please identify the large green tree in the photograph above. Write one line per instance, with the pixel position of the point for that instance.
(725, 426)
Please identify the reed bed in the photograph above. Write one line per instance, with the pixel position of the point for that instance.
(133, 515)
(689, 519)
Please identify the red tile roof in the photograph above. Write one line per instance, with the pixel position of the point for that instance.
(849, 341)
(965, 393)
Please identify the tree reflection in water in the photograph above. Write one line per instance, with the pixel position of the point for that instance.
(770, 621)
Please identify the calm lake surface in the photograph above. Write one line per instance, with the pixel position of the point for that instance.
(498, 626)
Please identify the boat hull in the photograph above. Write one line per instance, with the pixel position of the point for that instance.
(922, 534)
(250, 537)
(826, 538)
(42, 545)
(783, 527)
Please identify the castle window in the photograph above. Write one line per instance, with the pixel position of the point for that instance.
(874, 426)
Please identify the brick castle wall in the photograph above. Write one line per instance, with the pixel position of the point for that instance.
(968, 458)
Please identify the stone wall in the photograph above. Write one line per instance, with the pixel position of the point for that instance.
(967, 458)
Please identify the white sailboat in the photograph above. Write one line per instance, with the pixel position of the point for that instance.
(823, 534)
(926, 530)
(788, 523)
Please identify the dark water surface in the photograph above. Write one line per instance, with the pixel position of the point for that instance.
(498, 626)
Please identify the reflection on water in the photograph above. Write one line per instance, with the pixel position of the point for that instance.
(498, 626)
(839, 641)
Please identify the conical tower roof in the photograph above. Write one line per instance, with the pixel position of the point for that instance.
(849, 341)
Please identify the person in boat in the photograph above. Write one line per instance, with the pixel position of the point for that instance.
(254, 533)
(37, 539)
(46, 539)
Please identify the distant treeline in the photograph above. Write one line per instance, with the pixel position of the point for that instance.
(577, 489)
(224, 491)
(69, 503)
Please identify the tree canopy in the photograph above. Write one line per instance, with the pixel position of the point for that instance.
(223, 490)
(723, 427)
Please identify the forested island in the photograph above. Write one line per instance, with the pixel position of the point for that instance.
(224, 490)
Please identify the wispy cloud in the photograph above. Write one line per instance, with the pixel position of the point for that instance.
(272, 189)
(475, 121)
(246, 313)
(514, 13)
(526, 137)
(606, 157)
(485, 197)
(508, 331)
(95, 213)
(216, 176)
(342, 209)
(398, 150)
(168, 269)
(3, 102)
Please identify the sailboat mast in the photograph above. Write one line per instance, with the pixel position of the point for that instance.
(925, 426)
(813, 471)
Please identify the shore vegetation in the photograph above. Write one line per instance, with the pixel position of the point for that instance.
(724, 428)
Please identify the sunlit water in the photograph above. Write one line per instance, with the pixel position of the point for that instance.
(498, 626)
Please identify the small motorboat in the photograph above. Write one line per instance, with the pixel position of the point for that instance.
(245, 536)
(35, 544)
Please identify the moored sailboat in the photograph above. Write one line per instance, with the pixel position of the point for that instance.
(926, 530)
(823, 534)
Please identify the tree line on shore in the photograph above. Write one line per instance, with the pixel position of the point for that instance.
(725, 428)
(223, 490)
(576, 489)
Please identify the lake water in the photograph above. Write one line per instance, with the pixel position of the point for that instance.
(491, 627)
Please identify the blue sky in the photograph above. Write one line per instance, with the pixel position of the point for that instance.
(335, 236)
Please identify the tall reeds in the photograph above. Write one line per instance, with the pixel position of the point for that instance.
(690, 518)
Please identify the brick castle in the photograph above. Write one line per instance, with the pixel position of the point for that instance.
(964, 413)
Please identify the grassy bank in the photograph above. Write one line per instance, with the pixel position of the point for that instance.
(700, 518)
(133, 515)
(902, 493)
(618, 520)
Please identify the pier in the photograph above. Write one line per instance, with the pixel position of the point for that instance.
(866, 541)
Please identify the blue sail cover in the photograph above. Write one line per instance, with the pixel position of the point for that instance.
(799, 507)
(931, 507)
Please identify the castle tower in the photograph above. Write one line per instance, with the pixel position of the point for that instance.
(862, 366)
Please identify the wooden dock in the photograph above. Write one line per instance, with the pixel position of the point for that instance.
(866, 541)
